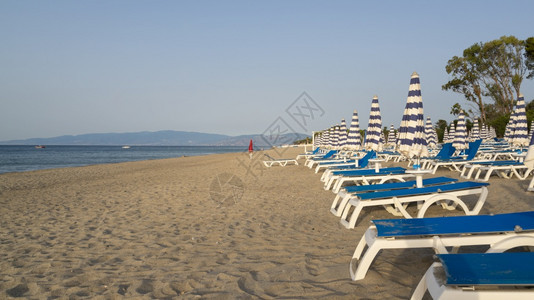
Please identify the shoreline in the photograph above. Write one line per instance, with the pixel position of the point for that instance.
(167, 228)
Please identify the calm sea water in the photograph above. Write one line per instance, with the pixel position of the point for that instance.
(28, 158)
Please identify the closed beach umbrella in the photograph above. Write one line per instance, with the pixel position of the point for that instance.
(250, 149)
(460, 136)
(484, 134)
(452, 133)
(354, 139)
(372, 141)
(342, 134)
(411, 137)
(531, 130)
(520, 130)
(445, 135)
(475, 132)
(391, 136)
(335, 140)
(325, 140)
(430, 134)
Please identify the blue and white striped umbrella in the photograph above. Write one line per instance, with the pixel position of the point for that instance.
(484, 132)
(460, 136)
(508, 130)
(531, 130)
(430, 134)
(411, 137)
(342, 135)
(335, 140)
(520, 129)
(392, 138)
(327, 136)
(354, 139)
(445, 135)
(372, 137)
(325, 140)
(452, 133)
(475, 131)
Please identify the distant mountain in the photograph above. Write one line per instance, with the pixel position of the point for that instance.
(161, 138)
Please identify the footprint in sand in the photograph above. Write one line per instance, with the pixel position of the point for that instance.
(313, 265)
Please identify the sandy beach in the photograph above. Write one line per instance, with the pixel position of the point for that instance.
(172, 229)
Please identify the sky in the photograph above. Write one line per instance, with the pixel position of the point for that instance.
(232, 67)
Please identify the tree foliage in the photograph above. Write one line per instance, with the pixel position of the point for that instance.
(529, 56)
(492, 70)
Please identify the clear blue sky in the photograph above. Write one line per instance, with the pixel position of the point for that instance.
(231, 67)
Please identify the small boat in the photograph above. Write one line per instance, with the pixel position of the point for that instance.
(40, 147)
(125, 147)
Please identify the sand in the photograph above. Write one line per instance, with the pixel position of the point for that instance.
(169, 229)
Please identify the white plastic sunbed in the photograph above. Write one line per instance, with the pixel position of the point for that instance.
(449, 196)
(520, 170)
(279, 161)
(501, 231)
(364, 176)
(479, 276)
(344, 195)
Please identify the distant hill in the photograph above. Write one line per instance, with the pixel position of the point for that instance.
(159, 138)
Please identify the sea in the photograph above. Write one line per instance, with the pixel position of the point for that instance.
(21, 158)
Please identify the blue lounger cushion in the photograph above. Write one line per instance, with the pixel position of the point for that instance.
(508, 268)
(325, 163)
(366, 172)
(421, 191)
(499, 163)
(397, 185)
(510, 222)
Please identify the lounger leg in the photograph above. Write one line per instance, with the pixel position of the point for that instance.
(530, 187)
(428, 282)
(338, 185)
(330, 182)
(337, 209)
(358, 206)
(471, 171)
(365, 262)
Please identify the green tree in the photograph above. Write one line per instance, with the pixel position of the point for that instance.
(529, 56)
(440, 127)
(493, 70)
(503, 68)
(467, 78)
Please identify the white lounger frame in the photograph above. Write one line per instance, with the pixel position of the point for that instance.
(397, 206)
(336, 182)
(438, 290)
(281, 162)
(361, 261)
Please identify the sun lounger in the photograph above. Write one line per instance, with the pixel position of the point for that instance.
(530, 187)
(455, 164)
(446, 151)
(479, 276)
(520, 170)
(309, 154)
(279, 161)
(341, 199)
(468, 170)
(353, 164)
(310, 162)
(364, 176)
(502, 231)
(396, 201)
